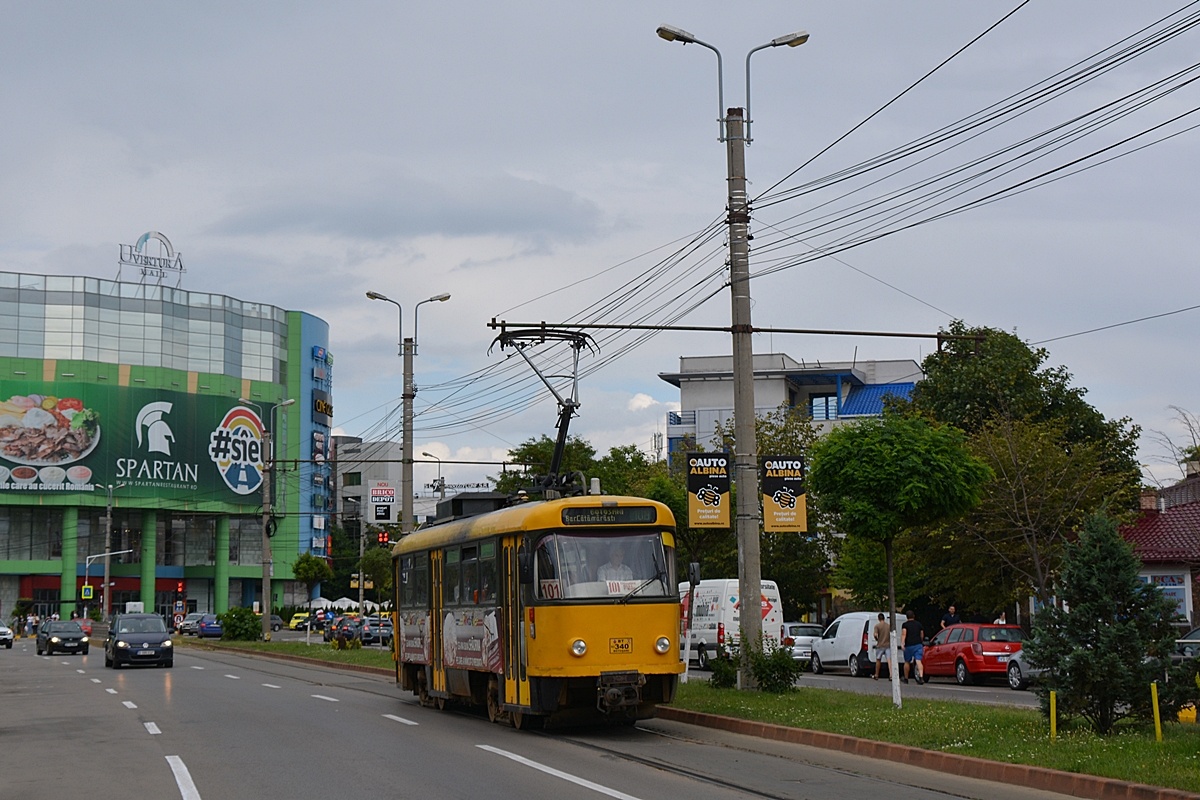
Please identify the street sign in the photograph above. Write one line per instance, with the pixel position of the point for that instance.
(85, 592)
(178, 620)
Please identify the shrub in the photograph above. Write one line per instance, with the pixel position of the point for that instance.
(774, 668)
(240, 625)
(724, 668)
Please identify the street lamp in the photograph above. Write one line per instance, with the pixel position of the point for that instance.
(107, 544)
(745, 448)
(87, 563)
(408, 349)
(441, 484)
(268, 459)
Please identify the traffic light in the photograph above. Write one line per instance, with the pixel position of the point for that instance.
(180, 593)
(383, 538)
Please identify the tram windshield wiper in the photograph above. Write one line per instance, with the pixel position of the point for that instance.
(660, 575)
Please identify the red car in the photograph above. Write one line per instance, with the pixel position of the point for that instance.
(972, 650)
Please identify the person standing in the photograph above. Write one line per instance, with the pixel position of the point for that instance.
(914, 648)
(950, 618)
(1002, 619)
(882, 633)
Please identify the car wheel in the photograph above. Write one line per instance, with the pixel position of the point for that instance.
(39, 649)
(169, 665)
(855, 667)
(962, 674)
(83, 651)
(702, 658)
(1015, 679)
(817, 666)
(275, 627)
(107, 660)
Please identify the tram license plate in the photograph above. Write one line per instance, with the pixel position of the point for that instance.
(621, 645)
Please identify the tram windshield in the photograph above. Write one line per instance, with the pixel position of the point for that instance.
(618, 567)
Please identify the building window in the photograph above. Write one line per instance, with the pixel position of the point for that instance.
(352, 479)
(823, 406)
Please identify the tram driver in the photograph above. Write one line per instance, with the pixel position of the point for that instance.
(616, 569)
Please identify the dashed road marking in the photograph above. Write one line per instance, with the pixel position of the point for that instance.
(183, 779)
(151, 728)
(400, 719)
(595, 787)
(129, 704)
(234, 677)
(272, 686)
(323, 697)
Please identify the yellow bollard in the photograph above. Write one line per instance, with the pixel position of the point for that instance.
(1157, 716)
(1053, 715)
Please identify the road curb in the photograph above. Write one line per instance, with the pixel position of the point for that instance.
(316, 662)
(1052, 780)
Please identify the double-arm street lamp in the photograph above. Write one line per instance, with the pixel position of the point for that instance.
(87, 563)
(107, 544)
(441, 484)
(268, 459)
(745, 448)
(408, 349)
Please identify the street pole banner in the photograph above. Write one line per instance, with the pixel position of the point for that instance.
(784, 503)
(708, 490)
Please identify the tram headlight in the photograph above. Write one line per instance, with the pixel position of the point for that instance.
(663, 644)
(578, 647)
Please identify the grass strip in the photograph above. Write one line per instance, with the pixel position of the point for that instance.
(998, 733)
(321, 651)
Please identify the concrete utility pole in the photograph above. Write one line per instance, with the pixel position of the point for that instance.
(745, 475)
(268, 460)
(108, 547)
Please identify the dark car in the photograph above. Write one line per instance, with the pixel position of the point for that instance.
(1188, 645)
(331, 627)
(376, 630)
(969, 651)
(209, 627)
(138, 639)
(63, 636)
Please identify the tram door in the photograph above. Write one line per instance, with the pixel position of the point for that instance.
(516, 678)
(436, 621)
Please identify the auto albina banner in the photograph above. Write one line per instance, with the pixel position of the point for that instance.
(708, 490)
(785, 508)
(80, 437)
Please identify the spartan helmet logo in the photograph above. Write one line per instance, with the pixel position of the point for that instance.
(158, 434)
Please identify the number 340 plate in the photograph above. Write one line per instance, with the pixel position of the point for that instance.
(622, 645)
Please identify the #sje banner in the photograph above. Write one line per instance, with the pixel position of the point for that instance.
(784, 504)
(708, 490)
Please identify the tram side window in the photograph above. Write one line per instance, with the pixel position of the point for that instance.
(547, 569)
(451, 587)
(470, 575)
(487, 573)
(414, 581)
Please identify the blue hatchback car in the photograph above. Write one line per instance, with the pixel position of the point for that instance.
(209, 627)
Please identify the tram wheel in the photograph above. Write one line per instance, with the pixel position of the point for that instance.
(423, 697)
(527, 722)
(440, 703)
(493, 701)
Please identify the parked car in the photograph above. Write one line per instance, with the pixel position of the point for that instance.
(799, 636)
(332, 626)
(300, 621)
(138, 639)
(969, 651)
(209, 627)
(1020, 672)
(65, 636)
(1188, 646)
(188, 626)
(846, 643)
(6, 636)
(350, 627)
(276, 622)
(376, 630)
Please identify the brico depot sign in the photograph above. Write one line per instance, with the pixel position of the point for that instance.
(382, 502)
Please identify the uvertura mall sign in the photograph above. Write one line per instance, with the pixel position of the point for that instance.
(78, 437)
(153, 254)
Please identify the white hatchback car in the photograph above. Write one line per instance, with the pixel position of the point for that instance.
(6, 636)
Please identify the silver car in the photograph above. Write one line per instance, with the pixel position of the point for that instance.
(6, 636)
(1020, 672)
(800, 636)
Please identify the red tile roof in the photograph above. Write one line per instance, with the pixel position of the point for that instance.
(1170, 535)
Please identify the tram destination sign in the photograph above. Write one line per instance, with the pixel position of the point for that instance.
(621, 515)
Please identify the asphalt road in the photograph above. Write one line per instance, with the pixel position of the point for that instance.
(222, 725)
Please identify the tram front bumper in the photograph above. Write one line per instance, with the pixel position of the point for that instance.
(618, 690)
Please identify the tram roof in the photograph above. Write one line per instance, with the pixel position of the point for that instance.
(531, 516)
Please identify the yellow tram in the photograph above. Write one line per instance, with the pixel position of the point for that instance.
(560, 610)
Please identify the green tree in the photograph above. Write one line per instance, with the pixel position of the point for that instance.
(376, 566)
(311, 570)
(1115, 639)
(625, 470)
(538, 454)
(886, 475)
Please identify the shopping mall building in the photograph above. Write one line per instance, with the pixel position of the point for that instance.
(153, 403)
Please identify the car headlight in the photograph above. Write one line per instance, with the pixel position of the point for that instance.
(84, 639)
(167, 643)
(663, 644)
(121, 643)
(578, 647)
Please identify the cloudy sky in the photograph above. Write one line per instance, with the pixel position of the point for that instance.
(1027, 166)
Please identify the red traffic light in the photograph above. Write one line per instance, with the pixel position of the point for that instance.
(179, 587)
(383, 538)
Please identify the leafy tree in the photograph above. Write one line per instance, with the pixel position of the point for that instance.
(886, 475)
(625, 470)
(240, 625)
(538, 454)
(311, 570)
(376, 566)
(1115, 639)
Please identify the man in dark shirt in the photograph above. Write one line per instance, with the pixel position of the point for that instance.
(950, 618)
(914, 648)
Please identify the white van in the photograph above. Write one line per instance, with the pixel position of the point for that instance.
(715, 618)
(847, 643)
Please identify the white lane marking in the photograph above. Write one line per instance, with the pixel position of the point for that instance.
(128, 704)
(151, 728)
(111, 691)
(80, 671)
(183, 779)
(595, 787)
(233, 677)
(95, 680)
(400, 719)
(323, 697)
(272, 686)
(193, 667)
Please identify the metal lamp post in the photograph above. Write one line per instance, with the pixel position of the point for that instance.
(440, 483)
(268, 457)
(745, 447)
(87, 563)
(408, 349)
(108, 544)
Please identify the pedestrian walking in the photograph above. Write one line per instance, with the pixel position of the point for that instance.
(882, 633)
(914, 649)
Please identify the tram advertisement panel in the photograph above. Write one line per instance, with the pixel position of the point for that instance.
(414, 637)
(471, 640)
(708, 490)
(784, 503)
